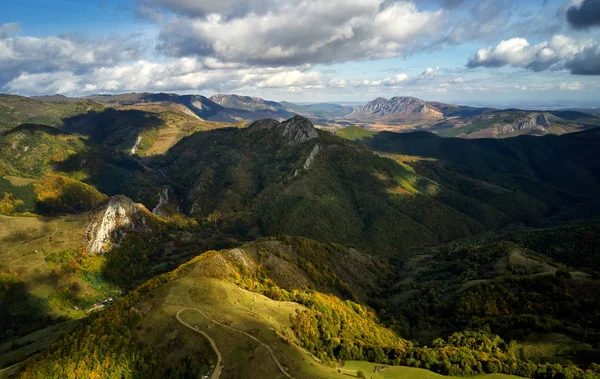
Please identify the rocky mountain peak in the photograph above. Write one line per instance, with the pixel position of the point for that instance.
(396, 107)
(297, 128)
(120, 216)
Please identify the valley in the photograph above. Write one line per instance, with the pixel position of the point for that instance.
(234, 246)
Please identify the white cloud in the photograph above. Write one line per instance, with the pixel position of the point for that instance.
(518, 52)
(299, 32)
(50, 83)
(184, 74)
(55, 54)
(397, 80)
(292, 78)
(405, 79)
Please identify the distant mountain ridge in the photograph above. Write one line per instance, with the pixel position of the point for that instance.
(399, 113)
(247, 103)
(395, 109)
(202, 106)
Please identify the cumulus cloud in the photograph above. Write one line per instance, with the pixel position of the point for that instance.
(34, 55)
(587, 62)
(184, 74)
(195, 8)
(518, 52)
(298, 32)
(584, 15)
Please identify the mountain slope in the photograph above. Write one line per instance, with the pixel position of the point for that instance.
(321, 110)
(220, 295)
(319, 186)
(245, 102)
(16, 110)
(510, 123)
(199, 105)
(449, 120)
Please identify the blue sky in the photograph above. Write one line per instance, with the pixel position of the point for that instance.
(462, 51)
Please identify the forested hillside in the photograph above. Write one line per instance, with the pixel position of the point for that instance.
(462, 257)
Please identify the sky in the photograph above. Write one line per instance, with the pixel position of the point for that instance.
(488, 52)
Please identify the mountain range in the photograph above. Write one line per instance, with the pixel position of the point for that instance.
(167, 236)
(395, 114)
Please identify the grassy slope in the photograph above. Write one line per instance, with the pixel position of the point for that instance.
(398, 372)
(26, 241)
(207, 284)
(44, 254)
(354, 133)
(16, 110)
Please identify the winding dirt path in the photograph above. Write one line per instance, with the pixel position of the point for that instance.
(219, 366)
(283, 371)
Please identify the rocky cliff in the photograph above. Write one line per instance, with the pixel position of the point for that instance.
(120, 216)
(298, 129)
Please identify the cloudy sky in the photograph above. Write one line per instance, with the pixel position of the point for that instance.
(489, 51)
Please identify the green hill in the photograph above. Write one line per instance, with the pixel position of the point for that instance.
(161, 329)
(17, 110)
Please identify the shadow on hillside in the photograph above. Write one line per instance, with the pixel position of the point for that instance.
(115, 128)
(33, 127)
(21, 312)
(558, 171)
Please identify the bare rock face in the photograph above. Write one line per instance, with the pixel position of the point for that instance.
(298, 128)
(164, 207)
(530, 121)
(120, 216)
(396, 107)
(311, 157)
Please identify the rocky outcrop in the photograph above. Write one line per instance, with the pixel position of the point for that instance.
(311, 157)
(164, 208)
(298, 129)
(309, 160)
(530, 121)
(120, 216)
(136, 146)
(396, 107)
